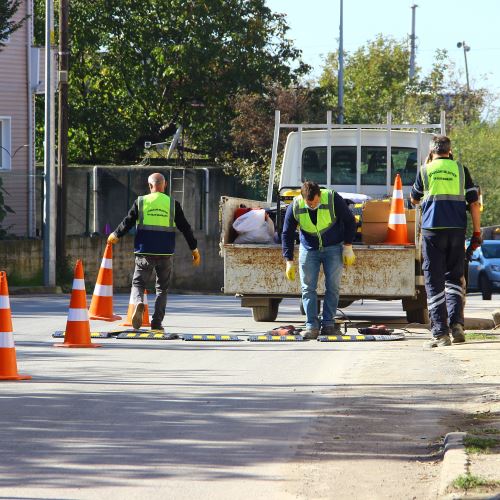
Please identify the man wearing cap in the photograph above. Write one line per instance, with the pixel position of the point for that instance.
(156, 216)
(327, 229)
(444, 188)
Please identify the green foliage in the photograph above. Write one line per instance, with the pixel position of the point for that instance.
(469, 481)
(477, 444)
(8, 9)
(137, 68)
(478, 147)
(376, 81)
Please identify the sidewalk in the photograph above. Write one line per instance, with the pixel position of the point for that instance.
(479, 418)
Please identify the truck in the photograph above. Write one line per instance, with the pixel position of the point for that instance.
(352, 160)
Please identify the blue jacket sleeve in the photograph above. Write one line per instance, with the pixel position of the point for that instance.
(417, 191)
(288, 236)
(345, 216)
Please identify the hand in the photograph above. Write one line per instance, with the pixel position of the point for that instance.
(112, 239)
(348, 255)
(290, 270)
(196, 257)
(474, 244)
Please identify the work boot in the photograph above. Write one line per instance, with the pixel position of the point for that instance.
(311, 333)
(457, 332)
(331, 329)
(156, 326)
(442, 341)
(137, 316)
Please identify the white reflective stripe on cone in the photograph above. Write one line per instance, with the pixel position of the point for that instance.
(397, 194)
(78, 284)
(107, 263)
(131, 300)
(78, 315)
(103, 290)
(4, 302)
(397, 219)
(6, 340)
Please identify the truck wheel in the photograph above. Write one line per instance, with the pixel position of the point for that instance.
(266, 313)
(418, 316)
(343, 303)
(302, 310)
(485, 286)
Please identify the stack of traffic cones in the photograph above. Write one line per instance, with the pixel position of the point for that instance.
(397, 231)
(8, 363)
(77, 332)
(130, 312)
(101, 306)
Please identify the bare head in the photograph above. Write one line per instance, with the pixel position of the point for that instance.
(156, 183)
(311, 192)
(440, 146)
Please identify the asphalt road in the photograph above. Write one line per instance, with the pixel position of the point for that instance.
(153, 419)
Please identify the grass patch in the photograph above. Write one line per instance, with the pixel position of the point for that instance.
(477, 444)
(469, 481)
(479, 336)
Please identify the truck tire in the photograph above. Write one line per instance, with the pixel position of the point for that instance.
(418, 316)
(266, 313)
(485, 286)
(416, 309)
(343, 303)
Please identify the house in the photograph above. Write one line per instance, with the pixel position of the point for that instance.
(19, 80)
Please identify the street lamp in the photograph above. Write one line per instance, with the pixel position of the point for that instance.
(466, 49)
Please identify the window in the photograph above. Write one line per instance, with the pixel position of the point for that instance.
(343, 165)
(373, 165)
(5, 143)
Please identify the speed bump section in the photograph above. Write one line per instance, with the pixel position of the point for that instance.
(149, 335)
(275, 338)
(359, 338)
(210, 338)
(59, 334)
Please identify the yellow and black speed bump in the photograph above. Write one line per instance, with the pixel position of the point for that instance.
(359, 338)
(59, 334)
(275, 338)
(149, 335)
(211, 338)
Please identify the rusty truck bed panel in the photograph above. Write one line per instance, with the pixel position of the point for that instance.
(380, 271)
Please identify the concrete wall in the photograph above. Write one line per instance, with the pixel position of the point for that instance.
(23, 261)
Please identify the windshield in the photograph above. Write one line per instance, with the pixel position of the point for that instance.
(491, 251)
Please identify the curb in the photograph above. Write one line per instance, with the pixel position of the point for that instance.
(34, 290)
(454, 461)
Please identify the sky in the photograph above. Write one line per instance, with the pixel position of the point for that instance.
(440, 24)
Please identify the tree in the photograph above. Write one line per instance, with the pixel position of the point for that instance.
(376, 81)
(138, 66)
(8, 9)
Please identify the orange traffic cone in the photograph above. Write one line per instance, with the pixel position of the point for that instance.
(145, 314)
(77, 333)
(101, 306)
(8, 364)
(397, 232)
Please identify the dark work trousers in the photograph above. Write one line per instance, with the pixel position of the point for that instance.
(443, 252)
(144, 266)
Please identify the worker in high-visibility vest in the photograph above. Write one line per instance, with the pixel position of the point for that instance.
(444, 188)
(327, 229)
(156, 217)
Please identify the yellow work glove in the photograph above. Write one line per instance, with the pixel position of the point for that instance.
(112, 239)
(348, 255)
(290, 270)
(196, 257)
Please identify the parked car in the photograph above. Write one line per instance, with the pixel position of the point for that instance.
(484, 269)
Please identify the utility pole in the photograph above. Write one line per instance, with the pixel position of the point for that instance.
(412, 39)
(49, 212)
(466, 49)
(341, 64)
(62, 142)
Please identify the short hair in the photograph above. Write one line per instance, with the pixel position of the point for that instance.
(310, 190)
(156, 178)
(440, 145)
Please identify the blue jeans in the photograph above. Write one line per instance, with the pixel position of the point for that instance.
(309, 265)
